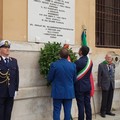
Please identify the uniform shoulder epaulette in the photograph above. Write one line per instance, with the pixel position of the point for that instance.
(11, 58)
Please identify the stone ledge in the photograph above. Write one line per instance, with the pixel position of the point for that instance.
(26, 46)
(34, 46)
(32, 92)
(44, 91)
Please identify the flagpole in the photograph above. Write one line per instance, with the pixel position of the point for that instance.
(84, 28)
(84, 42)
(94, 106)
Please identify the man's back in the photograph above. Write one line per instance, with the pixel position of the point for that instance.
(84, 83)
(62, 74)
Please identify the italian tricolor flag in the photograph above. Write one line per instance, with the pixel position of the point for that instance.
(84, 43)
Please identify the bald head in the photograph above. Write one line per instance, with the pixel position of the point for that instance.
(109, 58)
(64, 53)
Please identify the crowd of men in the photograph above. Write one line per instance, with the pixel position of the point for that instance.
(71, 80)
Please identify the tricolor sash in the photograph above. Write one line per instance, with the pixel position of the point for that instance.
(84, 70)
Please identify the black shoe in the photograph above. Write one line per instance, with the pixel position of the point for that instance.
(110, 113)
(102, 115)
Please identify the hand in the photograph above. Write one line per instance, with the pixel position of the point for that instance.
(48, 84)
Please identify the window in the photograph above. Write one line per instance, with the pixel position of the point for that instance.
(108, 23)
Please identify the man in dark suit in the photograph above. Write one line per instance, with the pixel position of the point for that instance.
(106, 81)
(9, 80)
(83, 84)
(62, 75)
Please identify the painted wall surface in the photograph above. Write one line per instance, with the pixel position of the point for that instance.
(15, 16)
(1, 14)
(15, 20)
(33, 101)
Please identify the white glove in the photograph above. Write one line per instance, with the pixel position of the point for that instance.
(16, 93)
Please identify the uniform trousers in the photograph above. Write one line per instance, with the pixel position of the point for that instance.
(57, 104)
(83, 103)
(6, 105)
(107, 97)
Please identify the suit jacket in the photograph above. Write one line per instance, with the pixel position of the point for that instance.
(62, 75)
(104, 77)
(8, 87)
(84, 84)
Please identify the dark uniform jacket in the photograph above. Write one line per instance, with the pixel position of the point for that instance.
(105, 78)
(9, 77)
(83, 85)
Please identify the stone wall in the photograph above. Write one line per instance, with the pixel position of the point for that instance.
(33, 101)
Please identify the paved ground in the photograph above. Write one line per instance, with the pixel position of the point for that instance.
(98, 117)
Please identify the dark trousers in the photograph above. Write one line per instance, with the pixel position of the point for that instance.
(6, 105)
(57, 103)
(107, 97)
(83, 103)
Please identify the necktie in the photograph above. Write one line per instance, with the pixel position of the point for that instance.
(7, 61)
(109, 69)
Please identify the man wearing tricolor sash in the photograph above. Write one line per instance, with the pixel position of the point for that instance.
(83, 85)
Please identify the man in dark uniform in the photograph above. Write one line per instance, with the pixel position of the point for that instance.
(9, 80)
(83, 84)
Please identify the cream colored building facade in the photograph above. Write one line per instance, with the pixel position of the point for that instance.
(33, 101)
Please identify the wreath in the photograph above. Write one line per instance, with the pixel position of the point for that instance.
(49, 54)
